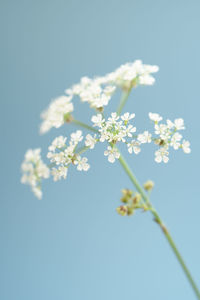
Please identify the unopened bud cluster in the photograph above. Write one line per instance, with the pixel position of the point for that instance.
(131, 201)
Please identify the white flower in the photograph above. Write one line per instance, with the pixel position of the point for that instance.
(58, 142)
(175, 140)
(170, 124)
(155, 117)
(163, 131)
(127, 117)
(59, 173)
(98, 120)
(81, 163)
(37, 192)
(162, 155)
(34, 170)
(76, 137)
(129, 130)
(112, 154)
(130, 75)
(179, 124)
(186, 146)
(54, 115)
(113, 119)
(92, 91)
(144, 137)
(90, 141)
(134, 146)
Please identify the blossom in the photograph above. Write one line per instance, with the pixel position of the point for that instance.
(131, 74)
(179, 124)
(114, 129)
(98, 120)
(112, 154)
(62, 157)
(34, 169)
(58, 173)
(129, 130)
(90, 141)
(155, 117)
(134, 146)
(175, 140)
(54, 115)
(127, 117)
(162, 155)
(76, 137)
(92, 91)
(144, 137)
(163, 131)
(58, 142)
(81, 163)
(186, 146)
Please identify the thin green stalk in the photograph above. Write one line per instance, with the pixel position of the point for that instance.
(160, 222)
(123, 100)
(76, 122)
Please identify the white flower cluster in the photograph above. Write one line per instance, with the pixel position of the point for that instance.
(115, 129)
(97, 92)
(91, 91)
(34, 170)
(131, 75)
(61, 155)
(54, 116)
(167, 136)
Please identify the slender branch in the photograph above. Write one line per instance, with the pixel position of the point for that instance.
(76, 122)
(123, 100)
(160, 222)
(82, 150)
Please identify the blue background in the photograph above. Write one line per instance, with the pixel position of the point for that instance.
(72, 244)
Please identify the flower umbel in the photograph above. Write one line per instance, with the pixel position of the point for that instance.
(34, 170)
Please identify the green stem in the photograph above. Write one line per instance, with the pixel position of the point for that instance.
(160, 222)
(123, 100)
(76, 122)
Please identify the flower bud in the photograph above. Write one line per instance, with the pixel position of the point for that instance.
(126, 195)
(68, 118)
(122, 210)
(130, 210)
(137, 198)
(148, 185)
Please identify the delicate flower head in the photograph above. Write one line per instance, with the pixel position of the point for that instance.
(162, 155)
(155, 117)
(134, 146)
(179, 124)
(175, 140)
(112, 154)
(76, 137)
(127, 117)
(81, 163)
(131, 74)
(58, 142)
(90, 141)
(144, 137)
(55, 114)
(97, 120)
(58, 173)
(34, 170)
(186, 146)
